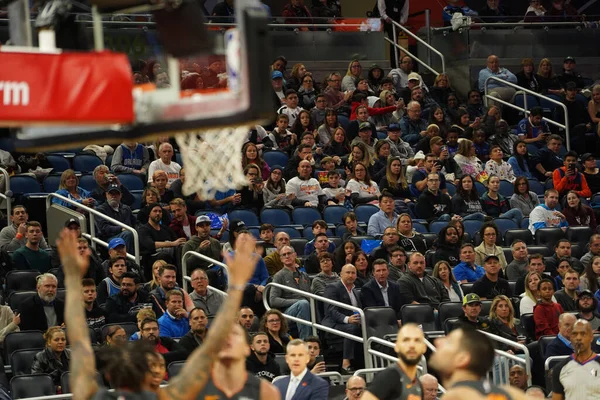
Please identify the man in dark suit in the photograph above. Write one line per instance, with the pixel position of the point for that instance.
(341, 318)
(301, 384)
(42, 310)
(379, 292)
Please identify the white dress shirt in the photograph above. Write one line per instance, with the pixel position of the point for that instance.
(294, 383)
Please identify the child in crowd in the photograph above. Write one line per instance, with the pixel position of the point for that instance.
(335, 192)
(291, 108)
(452, 142)
(482, 148)
(282, 138)
(546, 312)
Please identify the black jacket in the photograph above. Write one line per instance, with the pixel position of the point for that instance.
(106, 229)
(557, 348)
(190, 341)
(33, 317)
(335, 315)
(371, 296)
(429, 291)
(45, 362)
(430, 206)
(268, 371)
(120, 309)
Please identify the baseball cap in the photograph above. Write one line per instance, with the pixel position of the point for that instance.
(116, 242)
(113, 187)
(586, 293)
(236, 225)
(569, 58)
(72, 221)
(471, 298)
(413, 76)
(364, 126)
(202, 219)
(394, 127)
(276, 75)
(571, 86)
(489, 257)
(587, 156)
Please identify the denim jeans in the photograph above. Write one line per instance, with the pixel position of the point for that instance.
(515, 214)
(475, 216)
(301, 309)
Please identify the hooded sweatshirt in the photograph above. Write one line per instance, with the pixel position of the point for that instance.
(268, 371)
(546, 316)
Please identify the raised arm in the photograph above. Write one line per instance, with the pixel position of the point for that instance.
(195, 373)
(83, 364)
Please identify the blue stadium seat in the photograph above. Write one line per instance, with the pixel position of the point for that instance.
(131, 181)
(505, 224)
(519, 101)
(344, 122)
(51, 183)
(525, 223)
(340, 230)
(436, 226)
(249, 218)
(506, 189)
(86, 162)
(293, 232)
(305, 216)
(481, 189)
(24, 184)
(58, 162)
(275, 217)
(334, 214)
(179, 159)
(108, 160)
(275, 157)
(87, 182)
(536, 186)
(364, 211)
(451, 188)
(419, 227)
(137, 195)
(472, 226)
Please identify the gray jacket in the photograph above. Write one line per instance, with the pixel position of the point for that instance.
(282, 299)
(321, 281)
(211, 303)
(9, 242)
(212, 251)
(516, 269)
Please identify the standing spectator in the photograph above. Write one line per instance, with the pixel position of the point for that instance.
(54, 359)
(526, 77)
(444, 273)
(577, 213)
(518, 266)
(497, 89)
(131, 158)
(12, 237)
(546, 313)
(567, 296)
(31, 256)
(121, 212)
(325, 277)
(467, 271)
(562, 345)
(418, 287)
(496, 205)
(546, 215)
(42, 310)
(489, 233)
(297, 13)
(164, 163)
(491, 285)
(384, 218)
(523, 199)
(497, 166)
(392, 11)
(104, 180)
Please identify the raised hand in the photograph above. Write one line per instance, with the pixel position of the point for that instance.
(243, 262)
(73, 263)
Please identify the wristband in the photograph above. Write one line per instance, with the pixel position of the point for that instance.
(237, 287)
(19, 236)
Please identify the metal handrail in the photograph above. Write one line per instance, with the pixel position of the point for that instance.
(553, 358)
(524, 109)
(187, 256)
(511, 25)
(313, 315)
(418, 39)
(7, 195)
(515, 345)
(94, 213)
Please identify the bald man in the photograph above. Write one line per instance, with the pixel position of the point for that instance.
(305, 188)
(430, 387)
(496, 88)
(355, 387)
(273, 260)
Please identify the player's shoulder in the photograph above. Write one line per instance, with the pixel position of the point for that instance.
(460, 393)
(269, 391)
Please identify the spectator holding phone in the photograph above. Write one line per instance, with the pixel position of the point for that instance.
(568, 178)
(252, 194)
(533, 129)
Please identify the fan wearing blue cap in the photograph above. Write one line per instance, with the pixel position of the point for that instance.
(118, 248)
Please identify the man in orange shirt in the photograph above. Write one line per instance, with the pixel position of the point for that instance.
(569, 178)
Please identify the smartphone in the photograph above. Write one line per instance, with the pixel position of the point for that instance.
(257, 181)
(444, 148)
(319, 359)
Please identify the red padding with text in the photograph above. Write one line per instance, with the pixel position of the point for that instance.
(88, 88)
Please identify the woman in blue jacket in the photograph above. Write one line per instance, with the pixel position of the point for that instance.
(69, 188)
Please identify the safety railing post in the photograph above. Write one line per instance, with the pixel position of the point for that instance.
(428, 33)
(396, 55)
(7, 193)
(184, 265)
(527, 358)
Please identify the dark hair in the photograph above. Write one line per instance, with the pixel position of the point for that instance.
(489, 225)
(313, 339)
(395, 248)
(591, 276)
(471, 195)
(571, 154)
(303, 146)
(325, 255)
(339, 255)
(169, 267)
(351, 215)
(131, 275)
(147, 321)
(266, 227)
(535, 256)
(289, 92)
(545, 280)
(480, 349)
(385, 194)
(555, 137)
(537, 112)
(318, 235)
(518, 182)
(126, 366)
(492, 148)
(113, 260)
(355, 257)
(319, 222)
(563, 240)
(12, 212)
(521, 159)
(380, 261)
(88, 282)
(359, 97)
(197, 309)
(367, 175)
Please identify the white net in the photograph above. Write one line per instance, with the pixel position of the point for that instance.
(213, 160)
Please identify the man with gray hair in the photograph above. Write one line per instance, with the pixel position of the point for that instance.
(355, 387)
(164, 163)
(204, 297)
(104, 179)
(412, 126)
(43, 309)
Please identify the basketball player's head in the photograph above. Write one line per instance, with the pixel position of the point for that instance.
(237, 345)
(463, 349)
(410, 344)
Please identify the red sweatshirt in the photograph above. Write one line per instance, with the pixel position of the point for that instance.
(372, 111)
(577, 182)
(546, 318)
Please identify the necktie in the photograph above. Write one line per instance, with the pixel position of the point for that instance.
(291, 388)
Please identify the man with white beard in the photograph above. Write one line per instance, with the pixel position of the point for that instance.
(121, 212)
(42, 310)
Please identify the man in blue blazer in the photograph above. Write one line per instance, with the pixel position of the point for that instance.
(301, 384)
(341, 318)
(379, 292)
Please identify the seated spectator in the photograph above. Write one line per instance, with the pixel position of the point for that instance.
(546, 313)
(536, 264)
(124, 306)
(183, 224)
(204, 297)
(380, 291)
(561, 345)
(397, 263)
(495, 205)
(419, 179)
(174, 323)
(329, 123)
(526, 77)
(306, 189)
(577, 213)
(352, 229)
(444, 273)
(9, 322)
(530, 298)
(418, 287)
(365, 136)
(359, 153)
(547, 79)
(157, 238)
(335, 191)
(105, 180)
(467, 271)
(291, 303)
(309, 99)
(384, 121)
(468, 162)
(489, 233)
(31, 256)
(562, 249)
(567, 296)
(594, 250)
(13, 236)
(111, 285)
(503, 137)
(54, 359)
(382, 154)
(412, 126)
(140, 316)
(466, 202)
(570, 75)
(273, 261)
(449, 168)
(497, 89)
(517, 268)
(251, 194)
(448, 246)
(502, 320)
(131, 158)
(441, 89)
(390, 239)
(523, 199)
(338, 146)
(274, 189)
(274, 324)
(167, 281)
(363, 189)
(115, 209)
(166, 346)
(491, 285)
(384, 218)
(198, 330)
(312, 262)
(314, 351)
(318, 227)
(580, 124)
(548, 159)
(42, 310)
(475, 107)
(164, 163)
(282, 139)
(533, 130)
(261, 361)
(353, 74)
(246, 318)
(519, 161)
(325, 277)
(587, 305)
(343, 254)
(568, 178)
(303, 124)
(497, 166)
(116, 248)
(434, 204)
(266, 235)
(361, 262)
(424, 143)
(438, 117)
(336, 98)
(482, 147)
(290, 108)
(69, 188)
(151, 195)
(590, 278)
(471, 305)
(115, 336)
(250, 155)
(410, 239)
(594, 109)
(591, 172)
(463, 126)
(546, 215)
(534, 13)
(159, 179)
(399, 75)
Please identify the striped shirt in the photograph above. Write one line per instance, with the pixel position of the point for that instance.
(577, 381)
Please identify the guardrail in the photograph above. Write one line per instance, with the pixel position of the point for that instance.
(312, 298)
(184, 267)
(524, 109)
(7, 195)
(418, 39)
(92, 235)
(546, 25)
(526, 360)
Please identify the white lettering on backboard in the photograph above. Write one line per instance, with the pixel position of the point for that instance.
(15, 93)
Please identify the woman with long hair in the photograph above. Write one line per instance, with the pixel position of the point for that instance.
(466, 201)
(304, 123)
(298, 72)
(523, 199)
(463, 237)
(526, 77)
(363, 268)
(362, 189)
(489, 233)
(69, 188)
(394, 181)
(438, 117)
(387, 99)
(274, 189)
(502, 319)
(154, 282)
(251, 155)
(54, 359)
(160, 180)
(359, 153)
(382, 153)
(151, 195)
(590, 279)
(465, 126)
(252, 193)
(547, 80)
(307, 93)
(467, 160)
(441, 89)
(350, 221)
(353, 74)
(531, 296)
(343, 254)
(577, 213)
(328, 128)
(495, 205)
(339, 145)
(410, 240)
(519, 161)
(451, 109)
(273, 323)
(443, 272)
